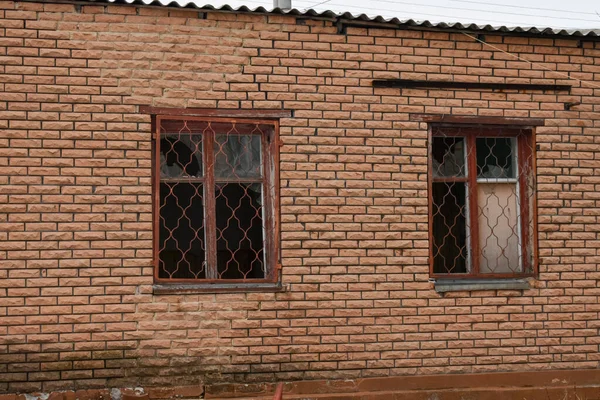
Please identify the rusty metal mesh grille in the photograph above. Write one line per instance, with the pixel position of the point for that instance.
(215, 217)
(481, 202)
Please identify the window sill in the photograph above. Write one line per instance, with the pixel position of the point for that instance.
(174, 288)
(459, 285)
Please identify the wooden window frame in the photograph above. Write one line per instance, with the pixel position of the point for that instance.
(525, 152)
(270, 184)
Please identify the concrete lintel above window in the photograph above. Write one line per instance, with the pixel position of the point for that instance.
(219, 112)
(458, 285)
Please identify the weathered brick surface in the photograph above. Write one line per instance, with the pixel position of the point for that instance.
(76, 302)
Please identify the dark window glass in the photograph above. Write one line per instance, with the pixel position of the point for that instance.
(181, 238)
(449, 228)
(237, 156)
(239, 231)
(180, 156)
(495, 157)
(448, 156)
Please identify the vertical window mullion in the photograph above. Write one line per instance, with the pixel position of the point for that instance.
(268, 252)
(473, 204)
(210, 207)
(522, 174)
(519, 195)
(156, 195)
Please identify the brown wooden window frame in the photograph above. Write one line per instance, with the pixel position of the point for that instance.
(270, 188)
(526, 201)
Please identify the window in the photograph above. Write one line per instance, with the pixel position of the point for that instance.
(215, 200)
(481, 202)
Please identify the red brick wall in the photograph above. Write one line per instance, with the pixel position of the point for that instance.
(76, 302)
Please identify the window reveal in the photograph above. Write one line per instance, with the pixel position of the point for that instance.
(481, 202)
(215, 215)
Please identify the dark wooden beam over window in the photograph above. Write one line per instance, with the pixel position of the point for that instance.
(424, 84)
(475, 119)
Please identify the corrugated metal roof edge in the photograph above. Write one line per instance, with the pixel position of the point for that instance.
(410, 23)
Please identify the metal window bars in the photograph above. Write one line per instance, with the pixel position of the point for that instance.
(481, 202)
(215, 217)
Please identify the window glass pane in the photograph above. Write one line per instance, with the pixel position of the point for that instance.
(499, 233)
(448, 157)
(450, 237)
(180, 156)
(237, 156)
(496, 157)
(240, 241)
(181, 238)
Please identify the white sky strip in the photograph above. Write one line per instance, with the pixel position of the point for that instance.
(582, 14)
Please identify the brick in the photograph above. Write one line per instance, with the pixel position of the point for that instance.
(76, 232)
